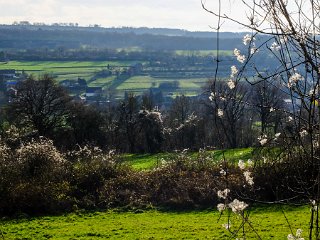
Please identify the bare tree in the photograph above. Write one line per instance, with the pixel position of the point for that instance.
(268, 102)
(40, 104)
(288, 30)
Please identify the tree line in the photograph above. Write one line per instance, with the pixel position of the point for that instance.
(138, 124)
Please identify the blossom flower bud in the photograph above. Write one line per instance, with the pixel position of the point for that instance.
(241, 164)
(247, 39)
(234, 71)
(237, 206)
(223, 172)
(231, 84)
(275, 46)
(303, 133)
(223, 194)
(220, 112)
(221, 207)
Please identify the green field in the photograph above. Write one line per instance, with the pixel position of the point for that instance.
(141, 83)
(149, 161)
(204, 52)
(63, 69)
(268, 222)
(73, 70)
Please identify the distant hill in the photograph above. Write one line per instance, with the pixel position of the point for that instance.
(138, 31)
(73, 37)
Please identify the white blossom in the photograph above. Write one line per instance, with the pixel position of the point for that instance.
(297, 237)
(275, 46)
(222, 98)
(221, 207)
(223, 172)
(314, 205)
(220, 112)
(265, 160)
(236, 52)
(295, 78)
(254, 50)
(227, 225)
(298, 233)
(223, 194)
(314, 91)
(212, 96)
(263, 140)
(284, 39)
(290, 119)
(277, 135)
(231, 84)
(241, 58)
(241, 164)
(234, 71)
(247, 39)
(248, 177)
(291, 237)
(272, 109)
(303, 133)
(237, 206)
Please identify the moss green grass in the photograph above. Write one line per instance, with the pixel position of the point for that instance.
(269, 222)
(149, 161)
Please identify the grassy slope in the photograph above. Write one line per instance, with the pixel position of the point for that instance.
(268, 222)
(149, 161)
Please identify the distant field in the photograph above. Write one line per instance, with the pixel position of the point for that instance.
(62, 70)
(142, 83)
(149, 161)
(268, 222)
(204, 52)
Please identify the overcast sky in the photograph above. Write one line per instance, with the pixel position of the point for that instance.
(183, 14)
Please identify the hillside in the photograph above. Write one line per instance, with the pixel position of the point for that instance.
(29, 37)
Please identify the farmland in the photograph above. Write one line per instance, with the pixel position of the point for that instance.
(62, 69)
(181, 73)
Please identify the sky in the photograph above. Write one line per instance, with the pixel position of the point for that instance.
(182, 14)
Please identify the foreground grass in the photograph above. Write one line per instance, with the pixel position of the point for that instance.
(269, 222)
(149, 161)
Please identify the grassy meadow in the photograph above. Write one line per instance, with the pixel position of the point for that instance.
(147, 222)
(149, 161)
(268, 222)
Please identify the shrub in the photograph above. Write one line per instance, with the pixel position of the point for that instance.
(41, 161)
(91, 169)
(38, 179)
(183, 182)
